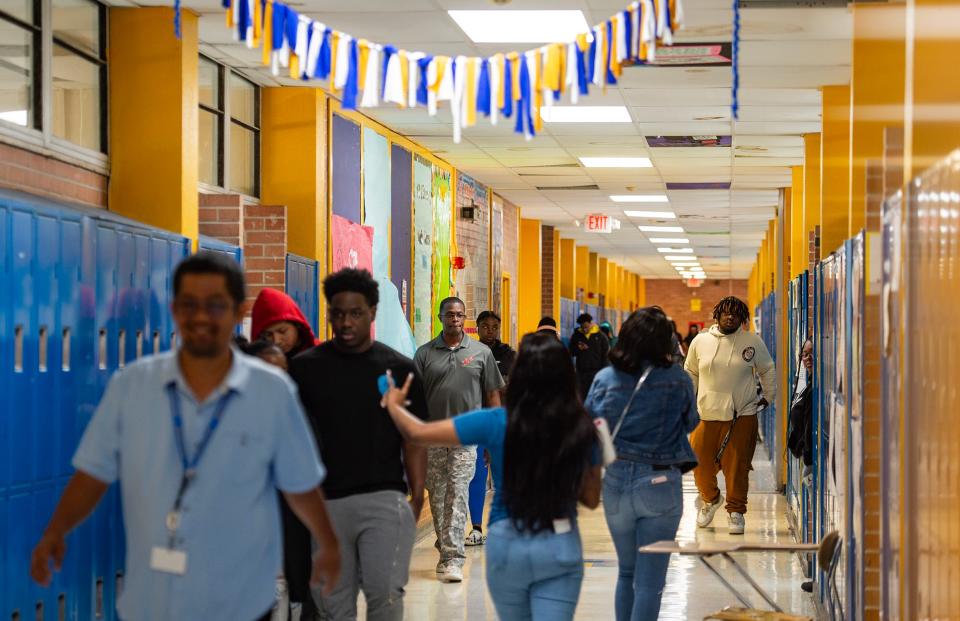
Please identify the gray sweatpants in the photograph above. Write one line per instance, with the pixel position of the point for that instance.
(449, 472)
(376, 533)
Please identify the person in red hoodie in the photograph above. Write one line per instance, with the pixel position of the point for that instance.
(278, 319)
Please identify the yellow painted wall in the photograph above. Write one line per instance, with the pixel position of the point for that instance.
(879, 57)
(556, 272)
(811, 189)
(593, 278)
(583, 268)
(834, 167)
(798, 250)
(568, 269)
(603, 281)
(529, 282)
(154, 118)
(641, 291)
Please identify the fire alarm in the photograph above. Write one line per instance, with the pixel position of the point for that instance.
(458, 263)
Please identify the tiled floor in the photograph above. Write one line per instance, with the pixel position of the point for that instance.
(691, 592)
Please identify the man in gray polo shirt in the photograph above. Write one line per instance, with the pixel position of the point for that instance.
(459, 375)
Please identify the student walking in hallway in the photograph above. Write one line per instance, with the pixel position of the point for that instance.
(340, 385)
(459, 374)
(200, 439)
(544, 457)
(589, 346)
(724, 364)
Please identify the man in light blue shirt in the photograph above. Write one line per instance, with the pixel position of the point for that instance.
(200, 440)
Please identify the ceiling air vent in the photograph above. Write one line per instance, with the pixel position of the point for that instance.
(791, 4)
(697, 185)
(688, 141)
(554, 188)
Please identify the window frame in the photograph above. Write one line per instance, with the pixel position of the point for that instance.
(39, 136)
(225, 121)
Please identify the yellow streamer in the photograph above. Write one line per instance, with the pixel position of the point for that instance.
(404, 75)
(553, 68)
(257, 23)
(501, 67)
(538, 91)
(364, 46)
(514, 59)
(442, 63)
(471, 92)
(267, 32)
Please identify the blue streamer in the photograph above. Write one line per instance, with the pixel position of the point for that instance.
(351, 89)
(483, 89)
(507, 109)
(735, 102)
(176, 18)
(611, 78)
(422, 93)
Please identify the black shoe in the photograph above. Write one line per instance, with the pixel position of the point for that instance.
(807, 586)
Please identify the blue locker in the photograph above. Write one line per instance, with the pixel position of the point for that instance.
(303, 286)
(70, 274)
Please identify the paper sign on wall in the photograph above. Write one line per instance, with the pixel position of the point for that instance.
(695, 304)
(352, 244)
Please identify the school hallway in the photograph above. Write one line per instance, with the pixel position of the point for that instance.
(691, 591)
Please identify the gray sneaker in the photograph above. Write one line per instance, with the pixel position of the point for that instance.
(451, 573)
(737, 523)
(707, 511)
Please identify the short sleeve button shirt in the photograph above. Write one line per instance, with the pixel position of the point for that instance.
(456, 378)
(230, 526)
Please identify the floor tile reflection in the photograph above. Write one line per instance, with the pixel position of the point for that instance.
(691, 592)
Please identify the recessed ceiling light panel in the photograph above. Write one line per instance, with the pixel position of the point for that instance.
(675, 250)
(639, 198)
(669, 240)
(495, 26)
(663, 215)
(661, 229)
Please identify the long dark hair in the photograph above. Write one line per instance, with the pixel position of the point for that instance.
(645, 338)
(549, 436)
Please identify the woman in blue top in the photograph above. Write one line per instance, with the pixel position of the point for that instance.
(642, 495)
(543, 453)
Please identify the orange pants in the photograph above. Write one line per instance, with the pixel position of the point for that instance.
(736, 462)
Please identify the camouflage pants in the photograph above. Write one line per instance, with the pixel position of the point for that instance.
(449, 472)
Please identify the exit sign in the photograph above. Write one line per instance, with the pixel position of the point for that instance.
(600, 223)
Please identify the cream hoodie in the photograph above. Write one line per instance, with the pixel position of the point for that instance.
(724, 367)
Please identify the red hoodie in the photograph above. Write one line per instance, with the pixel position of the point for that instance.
(273, 306)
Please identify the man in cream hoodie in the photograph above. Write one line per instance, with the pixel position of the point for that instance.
(724, 364)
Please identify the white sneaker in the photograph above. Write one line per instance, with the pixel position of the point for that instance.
(737, 523)
(476, 538)
(451, 573)
(707, 511)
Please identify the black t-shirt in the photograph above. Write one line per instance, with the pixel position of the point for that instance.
(360, 446)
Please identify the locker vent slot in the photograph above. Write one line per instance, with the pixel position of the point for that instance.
(102, 350)
(122, 349)
(139, 344)
(65, 343)
(119, 584)
(42, 367)
(98, 612)
(156, 341)
(18, 350)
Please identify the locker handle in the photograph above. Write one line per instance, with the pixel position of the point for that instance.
(62, 607)
(15, 616)
(18, 349)
(139, 344)
(102, 350)
(122, 348)
(65, 344)
(38, 614)
(42, 366)
(156, 341)
(98, 611)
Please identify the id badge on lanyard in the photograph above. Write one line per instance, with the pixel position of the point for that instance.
(168, 559)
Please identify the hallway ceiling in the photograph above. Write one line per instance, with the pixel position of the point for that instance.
(786, 55)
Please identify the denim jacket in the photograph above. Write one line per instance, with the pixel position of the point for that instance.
(655, 429)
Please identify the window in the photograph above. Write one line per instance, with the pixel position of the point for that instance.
(54, 77)
(229, 129)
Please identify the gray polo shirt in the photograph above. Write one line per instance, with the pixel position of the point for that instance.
(456, 379)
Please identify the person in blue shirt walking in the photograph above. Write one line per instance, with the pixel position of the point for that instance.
(544, 457)
(649, 405)
(200, 438)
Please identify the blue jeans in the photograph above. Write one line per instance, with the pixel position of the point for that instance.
(642, 506)
(478, 489)
(533, 576)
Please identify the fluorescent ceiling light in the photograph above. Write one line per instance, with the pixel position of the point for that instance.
(639, 198)
(677, 258)
(669, 240)
(616, 162)
(661, 229)
(664, 215)
(585, 114)
(680, 265)
(676, 250)
(521, 26)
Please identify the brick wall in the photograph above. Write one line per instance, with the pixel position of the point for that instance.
(674, 296)
(38, 174)
(511, 263)
(265, 247)
(220, 217)
(547, 251)
(473, 244)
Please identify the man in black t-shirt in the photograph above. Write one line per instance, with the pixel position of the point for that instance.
(369, 466)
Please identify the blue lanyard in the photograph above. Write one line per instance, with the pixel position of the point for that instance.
(189, 466)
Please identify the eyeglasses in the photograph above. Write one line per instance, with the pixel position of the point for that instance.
(216, 309)
(452, 316)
